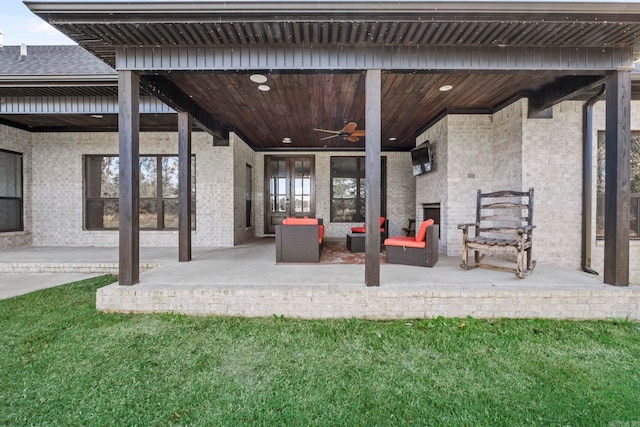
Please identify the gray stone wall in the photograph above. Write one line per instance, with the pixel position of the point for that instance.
(19, 141)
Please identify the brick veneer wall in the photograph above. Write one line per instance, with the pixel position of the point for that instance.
(19, 141)
(400, 191)
(58, 189)
(509, 150)
(243, 155)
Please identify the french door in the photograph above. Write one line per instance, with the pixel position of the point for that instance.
(289, 189)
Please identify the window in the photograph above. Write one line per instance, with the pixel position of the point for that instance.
(348, 188)
(248, 196)
(11, 204)
(158, 192)
(635, 185)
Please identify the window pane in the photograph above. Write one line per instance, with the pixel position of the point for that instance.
(102, 214)
(344, 188)
(634, 184)
(148, 213)
(10, 191)
(10, 174)
(170, 213)
(169, 177)
(148, 177)
(343, 210)
(10, 214)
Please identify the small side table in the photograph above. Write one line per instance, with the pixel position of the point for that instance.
(355, 242)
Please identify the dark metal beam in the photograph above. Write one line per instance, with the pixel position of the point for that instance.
(184, 187)
(373, 106)
(617, 183)
(174, 97)
(77, 105)
(362, 57)
(129, 133)
(561, 89)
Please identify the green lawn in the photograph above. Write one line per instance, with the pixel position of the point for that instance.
(63, 363)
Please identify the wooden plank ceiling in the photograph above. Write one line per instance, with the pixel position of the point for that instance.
(298, 103)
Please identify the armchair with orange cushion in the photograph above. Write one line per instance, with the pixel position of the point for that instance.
(299, 240)
(421, 250)
(384, 228)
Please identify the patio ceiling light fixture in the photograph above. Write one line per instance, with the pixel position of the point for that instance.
(445, 88)
(264, 88)
(97, 116)
(286, 140)
(258, 78)
(393, 138)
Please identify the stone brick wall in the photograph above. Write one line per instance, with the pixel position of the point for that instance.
(19, 141)
(552, 165)
(400, 191)
(243, 156)
(432, 186)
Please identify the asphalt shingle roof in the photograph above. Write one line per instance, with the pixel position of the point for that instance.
(51, 61)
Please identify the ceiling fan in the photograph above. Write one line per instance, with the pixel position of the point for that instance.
(349, 132)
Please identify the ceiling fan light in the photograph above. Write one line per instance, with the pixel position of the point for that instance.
(264, 88)
(258, 78)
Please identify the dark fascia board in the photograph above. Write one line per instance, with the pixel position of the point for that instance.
(59, 80)
(270, 10)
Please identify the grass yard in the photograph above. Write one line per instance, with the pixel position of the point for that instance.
(62, 363)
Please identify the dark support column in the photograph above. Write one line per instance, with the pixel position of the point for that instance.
(129, 131)
(372, 179)
(184, 187)
(617, 171)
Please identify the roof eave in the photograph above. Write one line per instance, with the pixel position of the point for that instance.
(160, 11)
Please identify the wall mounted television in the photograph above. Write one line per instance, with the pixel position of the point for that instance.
(422, 159)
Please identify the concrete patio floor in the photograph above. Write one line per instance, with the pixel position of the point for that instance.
(245, 281)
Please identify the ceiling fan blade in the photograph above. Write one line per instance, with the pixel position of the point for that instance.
(349, 127)
(337, 132)
(352, 138)
(329, 137)
(358, 133)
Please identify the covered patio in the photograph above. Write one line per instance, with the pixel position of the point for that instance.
(223, 281)
(382, 64)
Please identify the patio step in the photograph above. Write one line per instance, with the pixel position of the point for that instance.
(67, 267)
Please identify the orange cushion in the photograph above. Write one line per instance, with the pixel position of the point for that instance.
(363, 229)
(300, 221)
(422, 234)
(408, 242)
(320, 233)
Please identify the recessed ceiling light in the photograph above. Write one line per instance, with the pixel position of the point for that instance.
(286, 140)
(258, 78)
(97, 116)
(264, 88)
(445, 88)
